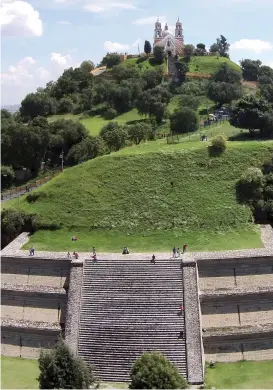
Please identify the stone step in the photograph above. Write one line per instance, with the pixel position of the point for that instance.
(28, 325)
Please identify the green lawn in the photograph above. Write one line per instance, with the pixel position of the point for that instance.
(241, 375)
(150, 196)
(95, 123)
(18, 373)
(209, 64)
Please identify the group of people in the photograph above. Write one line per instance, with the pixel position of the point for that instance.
(177, 252)
(125, 251)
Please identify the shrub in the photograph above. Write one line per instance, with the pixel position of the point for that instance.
(154, 371)
(249, 187)
(110, 114)
(219, 143)
(7, 176)
(184, 120)
(60, 369)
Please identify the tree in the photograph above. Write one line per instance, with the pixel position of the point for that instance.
(267, 92)
(250, 69)
(223, 46)
(37, 104)
(222, 93)
(65, 105)
(7, 176)
(154, 371)
(114, 136)
(190, 101)
(139, 132)
(184, 120)
(152, 77)
(227, 74)
(153, 103)
(252, 113)
(111, 60)
(200, 49)
(267, 71)
(147, 48)
(214, 48)
(60, 369)
(159, 54)
(194, 88)
(87, 66)
(182, 69)
(85, 150)
(188, 50)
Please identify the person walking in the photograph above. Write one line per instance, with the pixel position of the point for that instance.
(153, 259)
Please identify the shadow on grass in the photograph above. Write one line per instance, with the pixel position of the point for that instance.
(244, 136)
(214, 152)
(137, 121)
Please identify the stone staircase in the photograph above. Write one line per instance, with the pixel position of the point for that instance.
(172, 70)
(129, 307)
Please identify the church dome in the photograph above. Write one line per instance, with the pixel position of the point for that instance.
(166, 33)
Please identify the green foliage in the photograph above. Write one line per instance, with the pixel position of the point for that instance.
(253, 113)
(190, 101)
(200, 49)
(140, 132)
(147, 47)
(250, 186)
(60, 369)
(37, 104)
(87, 66)
(14, 222)
(154, 371)
(152, 77)
(219, 143)
(227, 74)
(223, 93)
(153, 103)
(159, 54)
(114, 136)
(110, 114)
(7, 176)
(65, 105)
(222, 46)
(184, 120)
(214, 48)
(188, 50)
(111, 60)
(250, 69)
(85, 150)
(194, 88)
(182, 69)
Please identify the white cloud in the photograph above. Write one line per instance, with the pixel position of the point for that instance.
(255, 45)
(18, 74)
(99, 6)
(150, 20)
(120, 47)
(64, 22)
(59, 59)
(43, 74)
(19, 18)
(115, 46)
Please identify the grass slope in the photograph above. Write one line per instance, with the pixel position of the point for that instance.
(209, 64)
(18, 373)
(95, 123)
(127, 198)
(240, 375)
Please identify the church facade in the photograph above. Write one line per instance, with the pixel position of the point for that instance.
(172, 44)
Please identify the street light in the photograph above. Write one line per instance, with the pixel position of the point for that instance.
(62, 157)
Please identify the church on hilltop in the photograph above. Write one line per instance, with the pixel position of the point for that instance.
(172, 44)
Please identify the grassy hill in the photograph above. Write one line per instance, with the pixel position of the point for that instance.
(150, 197)
(209, 64)
(95, 123)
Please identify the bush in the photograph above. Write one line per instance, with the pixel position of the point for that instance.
(184, 120)
(249, 187)
(7, 176)
(154, 371)
(219, 143)
(60, 369)
(110, 114)
(14, 222)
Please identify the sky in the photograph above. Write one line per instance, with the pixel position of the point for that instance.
(41, 38)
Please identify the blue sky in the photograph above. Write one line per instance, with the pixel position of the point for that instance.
(41, 38)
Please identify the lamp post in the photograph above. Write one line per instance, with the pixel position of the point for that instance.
(62, 157)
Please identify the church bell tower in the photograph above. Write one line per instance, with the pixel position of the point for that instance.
(158, 32)
(179, 31)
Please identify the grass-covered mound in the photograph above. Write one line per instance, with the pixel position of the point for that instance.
(209, 64)
(151, 197)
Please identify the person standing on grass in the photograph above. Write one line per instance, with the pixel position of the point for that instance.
(184, 248)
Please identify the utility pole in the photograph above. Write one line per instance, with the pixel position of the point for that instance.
(62, 157)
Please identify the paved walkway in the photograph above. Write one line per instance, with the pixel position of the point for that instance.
(19, 193)
(13, 249)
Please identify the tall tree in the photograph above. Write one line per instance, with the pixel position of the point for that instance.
(184, 120)
(222, 93)
(159, 54)
(147, 48)
(250, 69)
(223, 46)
